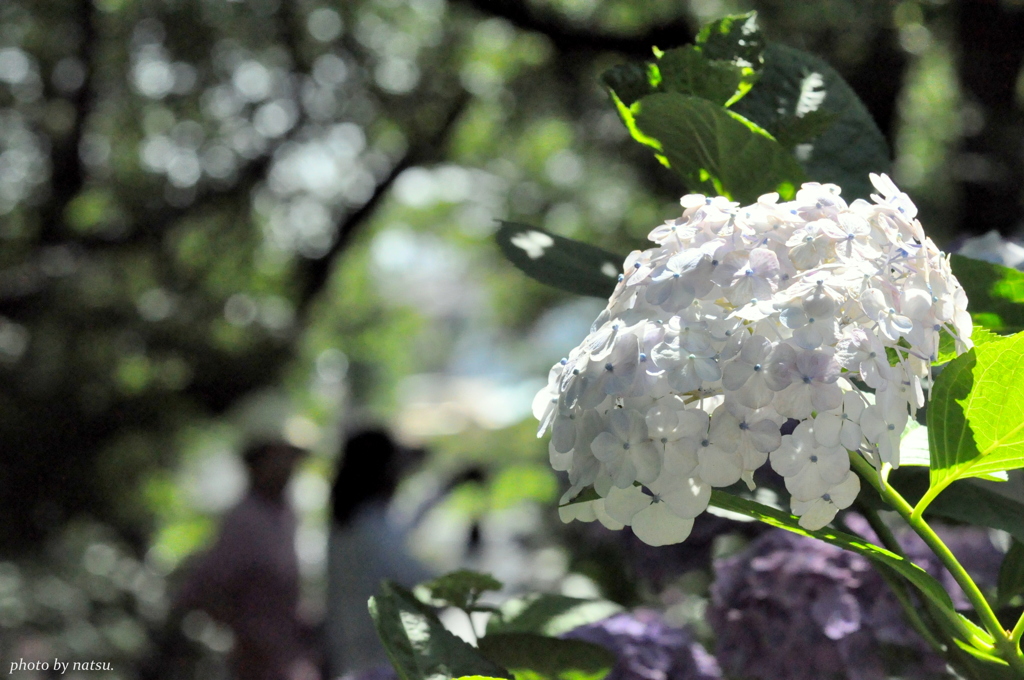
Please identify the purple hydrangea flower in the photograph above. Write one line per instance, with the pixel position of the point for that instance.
(648, 648)
(794, 608)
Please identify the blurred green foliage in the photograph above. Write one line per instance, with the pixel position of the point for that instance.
(220, 218)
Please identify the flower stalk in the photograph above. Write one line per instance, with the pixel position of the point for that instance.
(1007, 646)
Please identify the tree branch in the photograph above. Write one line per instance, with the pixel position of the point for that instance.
(316, 273)
(568, 38)
(68, 171)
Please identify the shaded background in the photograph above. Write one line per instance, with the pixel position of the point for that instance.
(220, 219)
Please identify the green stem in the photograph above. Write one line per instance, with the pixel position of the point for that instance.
(927, 499)
(880, 528)
(899, 589)
(1007, 647)
(1018, 631)
(472, 626)
(896, 584)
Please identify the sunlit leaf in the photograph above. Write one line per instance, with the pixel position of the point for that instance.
(976, 414)
(735, 38)
(538, 657)
(995, 294)
(947, 345)
(549, 614)
(566, 264)
(686, 71)
(418, 645)
(714, 150)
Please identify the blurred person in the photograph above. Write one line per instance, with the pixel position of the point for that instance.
(249, 579)
(367, 544)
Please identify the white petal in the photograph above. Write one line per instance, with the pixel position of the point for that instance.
(735, 374)
(647, 461)
(680, 457)
(607, 447)
(833, 464)
(559, 461)
(657, 525)
(581, 512)
(623, 504)
(790, 458)
(604, 518)
(845, 493)
(850, 436)
(764, 436)
(719, 467)
(817, 514)
(807, 484)
(563, 433)
(688, 498)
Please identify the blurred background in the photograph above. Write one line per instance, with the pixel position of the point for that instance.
(227, 219)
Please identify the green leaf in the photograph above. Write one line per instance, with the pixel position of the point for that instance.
(460, 588)
(566, 264)
(735, 38)
(686, 71)
(798, 130)
(792, 85)
(418, 645)
(914, 446)
(549, 614)
(1011, 573)
(777, 518)
(630, 82)
(976, 415)
(713, 150)
(586, 494)
(537, 657)
(995, 293)
(947, 345)
(968, 501)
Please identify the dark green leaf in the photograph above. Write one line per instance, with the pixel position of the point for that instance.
(793, 84)
(631, 81)
(545, 658)
(736, 38)
(549, 614)
(586, 494)
(569, 265)
(971, 503)
(686, 71)
(461, 588)
(968, 501)
(777, 518)
(713, 150)
(418, 645)
(995, 294)
(976, 414)
(798, 130)
(1011, 573)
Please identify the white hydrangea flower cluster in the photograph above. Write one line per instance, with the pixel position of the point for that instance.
(740, 320)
